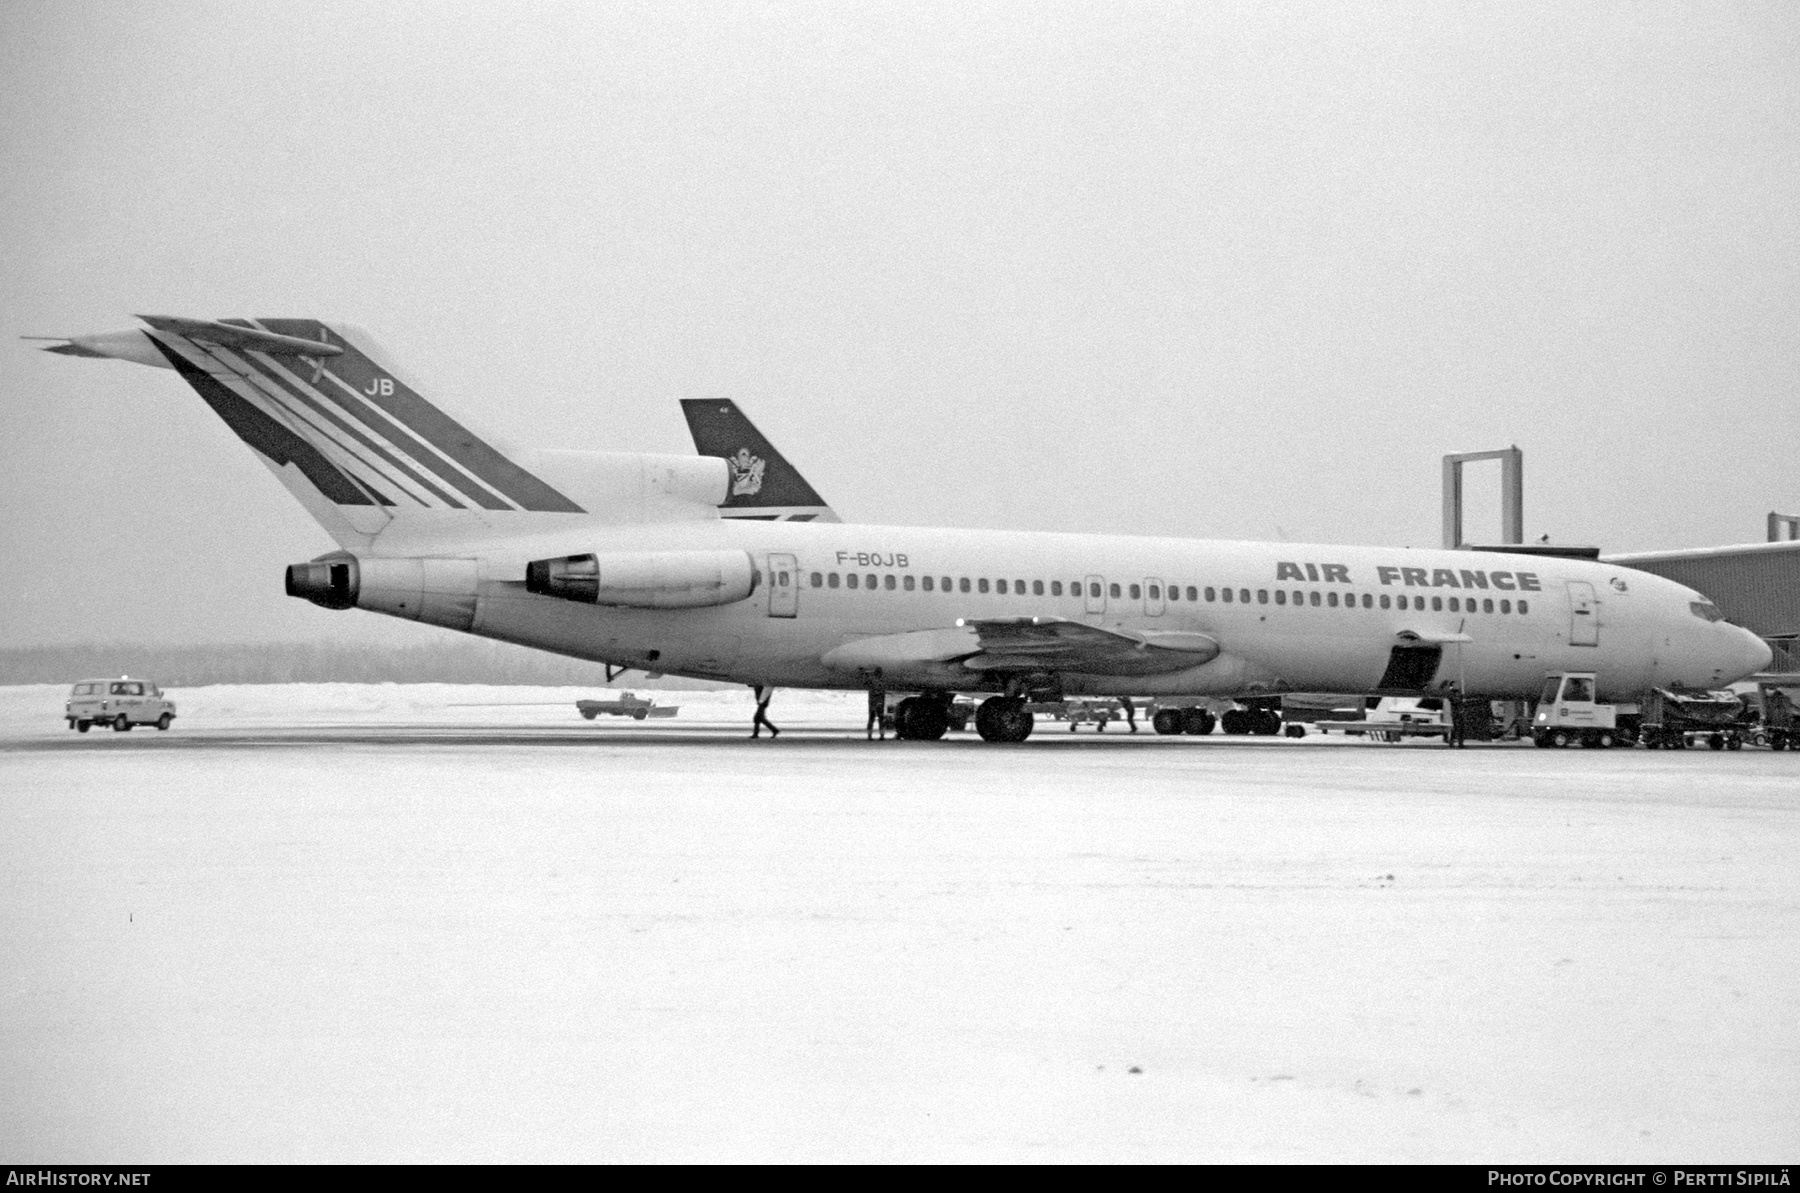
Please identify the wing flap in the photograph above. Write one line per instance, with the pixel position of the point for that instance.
(1026, 644)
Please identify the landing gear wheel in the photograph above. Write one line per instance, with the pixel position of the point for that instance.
(1166, 721)
(1296, 730)
(1003, 718)
(1265, 722)
(921, 718)
(120, 724)
(164, 721)
(1197, 722)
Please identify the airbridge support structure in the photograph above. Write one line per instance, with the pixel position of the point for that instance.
(1512, 494)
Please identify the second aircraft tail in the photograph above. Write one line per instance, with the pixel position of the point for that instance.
(764, 485)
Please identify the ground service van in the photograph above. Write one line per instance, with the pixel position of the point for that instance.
(121, 703)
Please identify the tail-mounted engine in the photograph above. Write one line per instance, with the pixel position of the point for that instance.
(439, 591)
(646, 579)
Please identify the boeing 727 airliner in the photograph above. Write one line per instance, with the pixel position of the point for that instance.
(729, 566)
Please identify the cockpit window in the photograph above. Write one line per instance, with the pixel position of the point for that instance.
(1706, 610)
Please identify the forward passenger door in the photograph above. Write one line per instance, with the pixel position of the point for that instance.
(1584, 615)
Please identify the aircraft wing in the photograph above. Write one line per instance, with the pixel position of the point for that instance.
(1026, 644)
(1059, 644)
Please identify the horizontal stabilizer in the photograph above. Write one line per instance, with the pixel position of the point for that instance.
(129, 344)
(69, 348)
(244, 339)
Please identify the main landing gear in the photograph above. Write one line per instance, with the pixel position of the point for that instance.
(1003, 718)
(922, 718)
(1196, 721)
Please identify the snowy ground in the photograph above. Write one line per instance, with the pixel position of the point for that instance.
(393, 923)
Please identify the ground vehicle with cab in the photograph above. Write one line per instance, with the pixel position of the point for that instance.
(122, 703)
(1567, 714)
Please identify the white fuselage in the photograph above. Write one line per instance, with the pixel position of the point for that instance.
(1317, 617)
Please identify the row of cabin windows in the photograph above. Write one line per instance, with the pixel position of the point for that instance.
(1154, 592)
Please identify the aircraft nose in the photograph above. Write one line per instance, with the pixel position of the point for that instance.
(1757, 653)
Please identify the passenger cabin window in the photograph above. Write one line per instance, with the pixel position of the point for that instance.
(981, 585)
(1094, 589)
(1506, 606)
(907, 583)
(1385, 602)
(1281, 596)
(962, 584)
(1112, 590)
(850, 580)
(1137, 593)
(927, 583)
(831, 581)
(869, 580)
(1437, 604)
(1056, 588)
(1314, 599)
(1037, 588)
(888, 582)
(1227, 595)
(1019, 587)
(1000, 587)
(1524, 606)
(1331, 599)
(1155, 593)
(1262, 596)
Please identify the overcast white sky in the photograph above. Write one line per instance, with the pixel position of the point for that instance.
(1221, 270)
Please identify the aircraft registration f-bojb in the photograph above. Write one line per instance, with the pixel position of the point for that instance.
(729, 566)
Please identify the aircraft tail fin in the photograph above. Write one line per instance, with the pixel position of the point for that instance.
(352, 439)
(763, 484)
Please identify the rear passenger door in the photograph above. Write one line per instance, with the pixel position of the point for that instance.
(784, 586)
(1096, 594)
(1153, 596)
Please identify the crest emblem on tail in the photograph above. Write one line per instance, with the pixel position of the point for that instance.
(746, 473)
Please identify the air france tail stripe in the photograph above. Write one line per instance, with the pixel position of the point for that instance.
(274, 375)
(376, 386)
(314, 425)
(268, 437)
(346, 396)
(229, 377)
